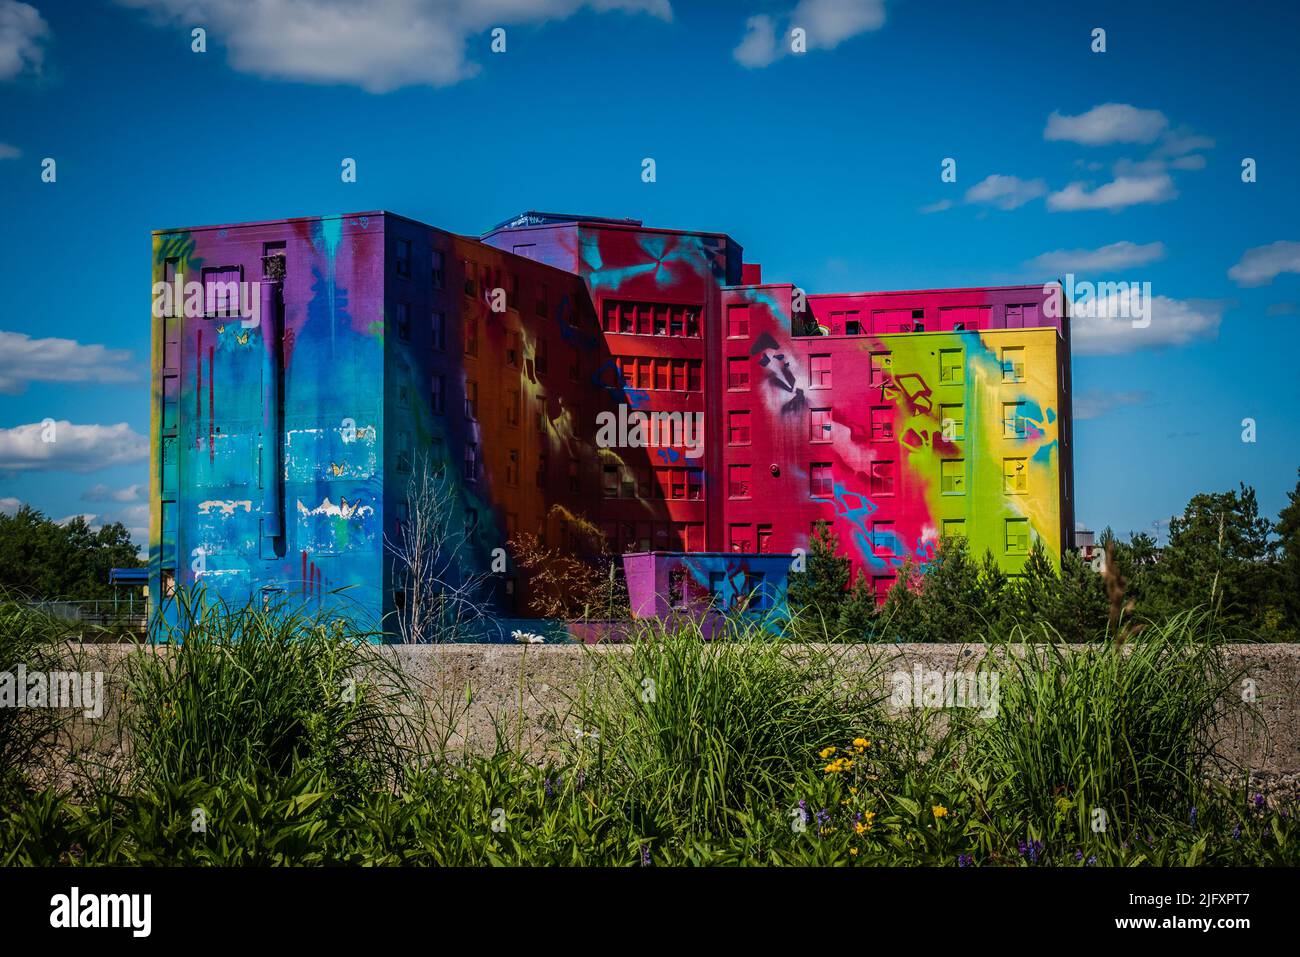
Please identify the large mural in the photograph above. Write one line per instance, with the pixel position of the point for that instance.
(304, 369)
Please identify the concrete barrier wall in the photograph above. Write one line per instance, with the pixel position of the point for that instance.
(525, 696)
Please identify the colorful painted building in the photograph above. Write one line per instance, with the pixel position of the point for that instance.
(304, 368)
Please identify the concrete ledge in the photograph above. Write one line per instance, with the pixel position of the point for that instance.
(524, 696)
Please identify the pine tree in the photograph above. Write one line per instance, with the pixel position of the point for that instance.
(858, 612)
(817, 593)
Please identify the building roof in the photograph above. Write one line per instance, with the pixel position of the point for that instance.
(533, 217)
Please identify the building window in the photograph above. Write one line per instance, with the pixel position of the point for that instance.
(819, 425)
(168, 580)
(403, 397)
(403, 452)
(738, 374)
(404, 258)
(679, 375)
(821, 482)
(645, 372)
(951, 367)
(512, 467)
(438, 327)
(954, 528)
(470, 287)
(1015, 476)
(882, 424)
(882, 478)
(512, 407)
(471, 399)
(1013, 420)
(575, 481)
(695, 375)
(543, 300)
(738, 481)
(881, 365)
(738, 322)
(1017, 536)
(437, 273)
(438, 393)
(221, 292)
(952, 422)
(663, 373)
(881, 585)
(765, 539)
(692, 323)
(679, 483)
(1013, 364)
(542, 357)
(741, 537)
(738, 428)
(513, 347)
(644, 485)
(952, 476)
(883, 538)
(471, 462)
(471, 336)
(542, 420)
(404, 321)
(695, 484)
(820, 371)
(609, 481)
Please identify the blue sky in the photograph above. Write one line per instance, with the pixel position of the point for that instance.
(1122, 165)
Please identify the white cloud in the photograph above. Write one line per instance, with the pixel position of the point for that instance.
(22, 31)
(8, 152)
(76, 448)
(1116, 195)
(1106, 328)
(826, 23)
(102, 493)
(10, 505)
(938, 207)
(88, 516)
(1107, 123)
(1095, 403)
(758, 47)
(379, 46)
(24, 360)
(1005, 192)
(1115, 256)
(1262, 264)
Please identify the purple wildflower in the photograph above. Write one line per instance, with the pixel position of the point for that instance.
(645, 856)
(1033, 850)
(964, 860)
(1259, 800)
(550, 791)
(1192, 817)
(1236, 832)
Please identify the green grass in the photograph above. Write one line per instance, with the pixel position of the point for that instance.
(739, 751)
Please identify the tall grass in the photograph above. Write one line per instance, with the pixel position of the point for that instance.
(245, 692)
(1128, 729)
(693, 731)
(34, 640)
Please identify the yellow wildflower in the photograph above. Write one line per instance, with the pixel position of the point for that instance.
(853, 851)
(861, 743)
(939, 810)
(826, 753)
